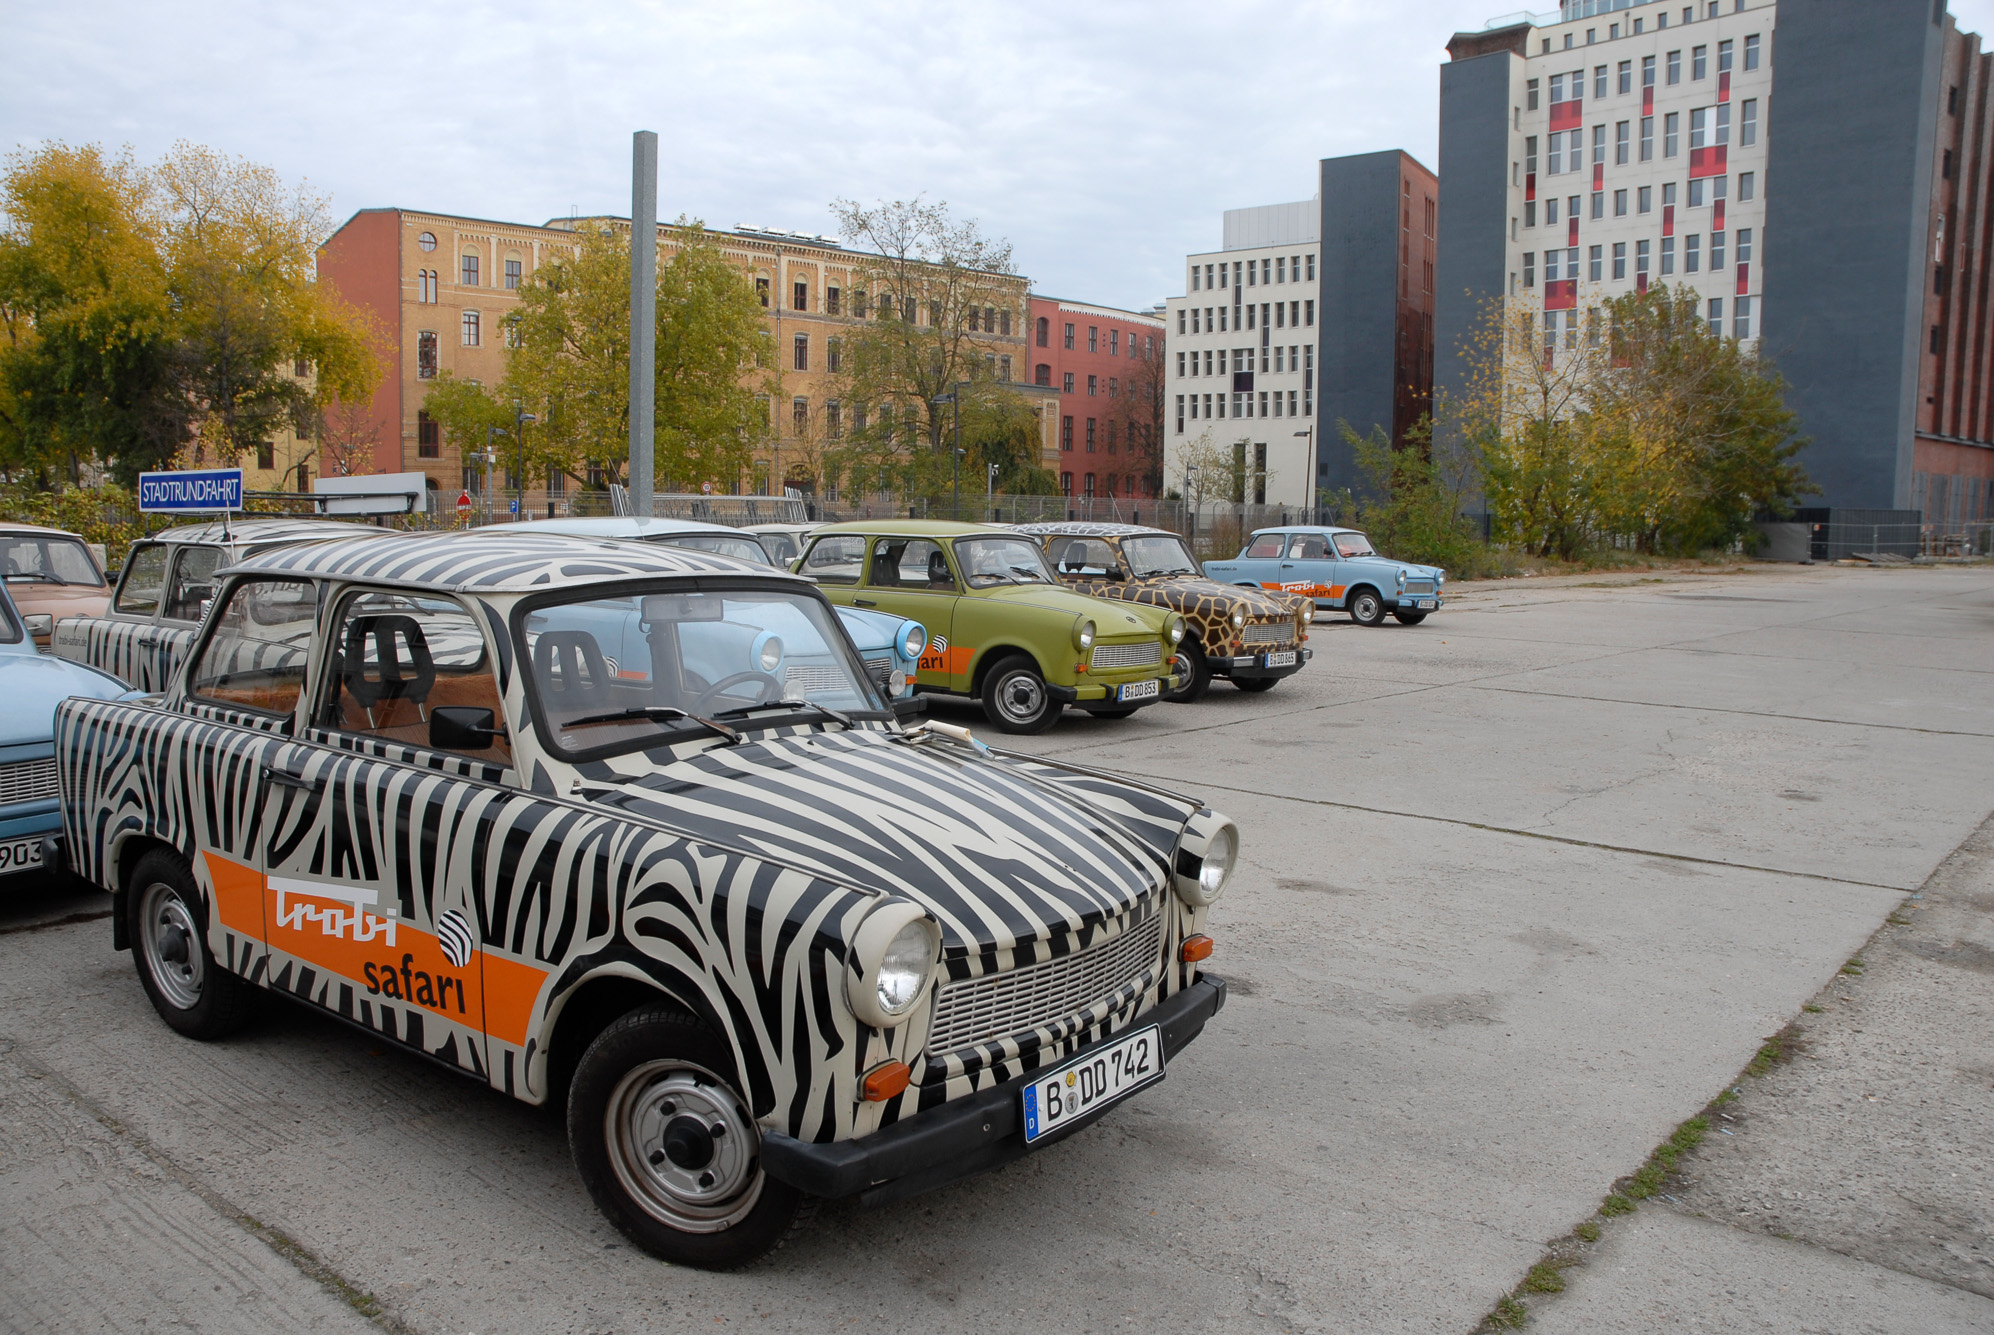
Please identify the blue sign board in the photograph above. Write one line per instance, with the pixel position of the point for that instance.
(515, 507)
(207, 489)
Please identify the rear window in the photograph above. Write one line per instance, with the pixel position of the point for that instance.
(255, 659)
(144, 581)
(38, 559)
(1267, 544)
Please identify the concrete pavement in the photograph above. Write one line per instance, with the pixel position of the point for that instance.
(1522, 888)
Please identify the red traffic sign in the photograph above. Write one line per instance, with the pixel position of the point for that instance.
(463, 500)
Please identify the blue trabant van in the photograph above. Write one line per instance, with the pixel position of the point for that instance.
(1338, 568)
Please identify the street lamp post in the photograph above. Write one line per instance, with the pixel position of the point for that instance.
(990, 492)
(521, 419)
(1190, 494)
(1309, 431)
(954, 399)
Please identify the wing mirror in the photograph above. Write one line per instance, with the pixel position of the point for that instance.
(463, 728)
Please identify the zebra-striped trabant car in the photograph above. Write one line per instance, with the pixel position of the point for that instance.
(764, 947)
(167, 581)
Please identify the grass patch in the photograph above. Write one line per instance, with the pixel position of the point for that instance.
(1655, 1173)
(1898, 920)
(1783, 1046)
(1812, 1009)
(1588, 1231)
(1854, 966)
(1616, 1204)
(1728, 1096)
(1544, 1279)
(1507, 1314)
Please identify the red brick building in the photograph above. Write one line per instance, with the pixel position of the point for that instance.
(1106, 366)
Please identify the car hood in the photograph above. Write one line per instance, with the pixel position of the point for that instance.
(1001, 853)
(871, 630)
(33, 684)
(1072, 604)
(1187, 593)
(1429, 572)
(59, 600)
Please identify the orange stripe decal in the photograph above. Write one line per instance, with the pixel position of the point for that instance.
(238, 895)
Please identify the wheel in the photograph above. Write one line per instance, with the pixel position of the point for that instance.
(1255, 685)
(1015, 698)
(1366, 607)
(168, 926)
(669, 1149)
(1190, 664)
(1409, 618)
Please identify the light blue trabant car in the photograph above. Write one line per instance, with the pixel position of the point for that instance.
(1339, 569)
(32, 684)
(890, 646)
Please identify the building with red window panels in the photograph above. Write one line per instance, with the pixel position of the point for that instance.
(1106, 368)
(1628, 144)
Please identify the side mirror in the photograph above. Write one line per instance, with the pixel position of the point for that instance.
(914, 706)
(463, 728)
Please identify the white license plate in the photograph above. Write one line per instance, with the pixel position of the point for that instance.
(20, 855)
(1282, 658)
(1138, 690)
(1425, 604)
(1097, 1080)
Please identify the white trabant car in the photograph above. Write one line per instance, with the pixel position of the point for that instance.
(765, 945)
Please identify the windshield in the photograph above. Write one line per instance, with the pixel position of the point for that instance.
(784, 547)
(991, 561)
(1158, 554)
(46, 560)
(640, 669)
(1354, 544)
(721, 544)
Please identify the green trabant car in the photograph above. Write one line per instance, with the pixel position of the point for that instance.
(1000, 628)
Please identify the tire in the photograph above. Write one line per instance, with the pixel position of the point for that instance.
(1366, 607)
(1410, 618)
(1196, 671)
(1015, 698)
(168, 922)
(641, 1111)
(1255, 685)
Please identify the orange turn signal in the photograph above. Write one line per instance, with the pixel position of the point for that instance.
(1195, 948)
(886, 1081)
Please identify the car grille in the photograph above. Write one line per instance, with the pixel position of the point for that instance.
(28, 781)
(1419, 586)
(1142, 654)
(978, 1010)
(808, 677)
(1270, 632)
(880, 668)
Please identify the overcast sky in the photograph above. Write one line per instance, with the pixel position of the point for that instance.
(1102, 139)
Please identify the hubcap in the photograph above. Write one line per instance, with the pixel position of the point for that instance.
(683, 1146)
(172, 948)
(1021, 697)
(1367, 607)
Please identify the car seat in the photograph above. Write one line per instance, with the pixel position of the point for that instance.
(938, 571)
(571, 671)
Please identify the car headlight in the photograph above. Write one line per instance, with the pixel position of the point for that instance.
(1206, 853)
(1238, 617)
(1174, 632)
(1308, 612)
(913, 639)
(896, 683)
(1401, 577)
(893, 959)
(1083, 636)
(1439, 579)
(770, 656)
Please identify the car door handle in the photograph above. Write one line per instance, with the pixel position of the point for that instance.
(289, 780)
(864, 602)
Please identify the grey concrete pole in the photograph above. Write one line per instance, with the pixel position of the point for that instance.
(643, 313)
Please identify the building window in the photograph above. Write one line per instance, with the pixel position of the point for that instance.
(803, 352)
(1310, 261)
(1741, 318)
(512, 275)
(266, 454)
(1045, 327)
(975, 319)
(1004, 369)
(470, 329)
(1042, 375)
(1671, 133)
(1647, 138)
(1675, 67)
(1069, 338)
(468, 271)
(1004, 322)
(1620, 144)
(1620, 203)
(1641, 263)
(1723, 123)
(834, 426)
(1752, 63)
(425, 286)
(1599, 83)
(1748, 123)
(799, 416)
(762, 291)
(1698, 61)
(1620, 259)
(1089, 492)
(830, 301)
(1308, 307)
(426, 241)
(1093, 383)
(1090, 435)
(1691, 254)
(1066, 426)
(1530, 95)
(428, 437)
(1093, 338)
(832, 355)
(1724, 57)
(1716, 251)
(1744, 245)
(425, 355)
(799, 298)
(1180, 415)
(1626, 77)
(1717, 317)
(1066, 383)
(1596, 259)
(1598, 145)
(1668, 256)
(1647, 71)
(858, 303)
(1599, 204)
(1114, 387)
(1115, 342)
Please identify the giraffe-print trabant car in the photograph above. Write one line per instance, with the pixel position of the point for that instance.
(1251, 637)
(168, 578)
(765, 947)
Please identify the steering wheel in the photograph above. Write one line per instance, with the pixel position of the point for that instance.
(771, 690)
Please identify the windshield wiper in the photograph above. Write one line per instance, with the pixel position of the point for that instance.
(1032, 575)
(825, 710)
(655, 713)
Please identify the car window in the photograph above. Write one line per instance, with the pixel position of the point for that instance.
(1308, 547)
(781, 547)
(838, 559)
(10, 625)
(256, 657)
(1266, 545)
(1159, 554)
(37, 559)
(144, 581)
(722, 544)
(988, 562)
(911, 563)
(397, 658)
(193, 583)
(1085, 556)
(1353, 545)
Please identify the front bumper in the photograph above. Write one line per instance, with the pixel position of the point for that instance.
(1415, 602)
(1248, 666)
(969, 1135)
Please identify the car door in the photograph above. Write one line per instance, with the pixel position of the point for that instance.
(370, 831)
(1259, 564)
(164, 646)
(914, 578)
(124, 641)
(1309, 568)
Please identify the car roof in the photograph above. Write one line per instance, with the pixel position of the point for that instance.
(511, 563)
(1077, 528)
(38, 530)
(1308, 528)
(916, 528)
(780, 528)
(613, 526)
(279, 528)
